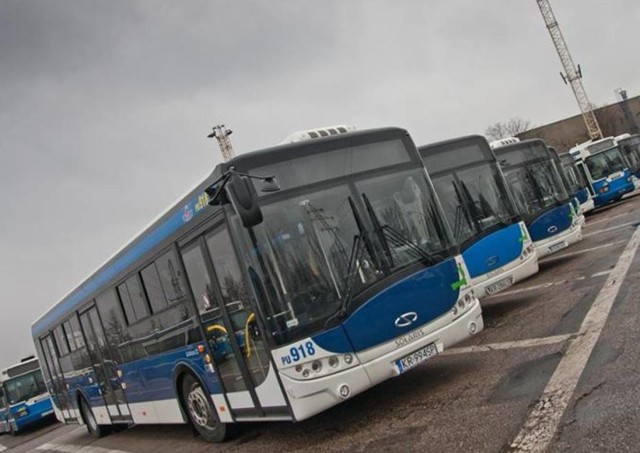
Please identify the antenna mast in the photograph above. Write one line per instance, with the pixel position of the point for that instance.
(221, 133)
(573, 74)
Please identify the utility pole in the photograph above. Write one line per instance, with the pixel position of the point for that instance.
(221, 133)
(573, 74)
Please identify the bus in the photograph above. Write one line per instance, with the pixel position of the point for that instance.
(630, 146)
(607, 169)
(539, 194)
(26, 399)
(290, 280)
(4, 420)
(494, 241)
(577, 184)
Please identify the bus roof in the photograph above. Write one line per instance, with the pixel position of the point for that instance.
(188, 210)
(456, 152)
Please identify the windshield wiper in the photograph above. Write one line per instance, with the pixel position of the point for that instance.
(388, 264)
(389, 234)
(355, 258)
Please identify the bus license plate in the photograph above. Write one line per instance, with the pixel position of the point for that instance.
(413, 359)
(558, 246)
(499, 285)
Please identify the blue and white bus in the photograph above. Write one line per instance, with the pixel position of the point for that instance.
(27, 400)
(495, 243)
(630, 146)
(4, 419)
(607, 169)
(290, 280)
(578, 184)
(539, 194)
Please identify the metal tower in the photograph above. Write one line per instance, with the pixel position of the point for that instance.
(573, 74)
(221, 133)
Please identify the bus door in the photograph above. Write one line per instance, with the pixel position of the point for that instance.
(57, 387)
(106, 369)
(241, 356)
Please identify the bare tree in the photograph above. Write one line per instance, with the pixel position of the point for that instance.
(509, 128)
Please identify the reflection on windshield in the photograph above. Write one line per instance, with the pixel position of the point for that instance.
(315, 251)
(474, 200)
(24, 387)
(535, 186)
(605, 163)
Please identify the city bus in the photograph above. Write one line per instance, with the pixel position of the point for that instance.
(290, 280)
(494, 241)
(26, 399)
(575, 176)
(607, 169)
(4, 420)
(571, 187)
(539, 194)
(630, 146)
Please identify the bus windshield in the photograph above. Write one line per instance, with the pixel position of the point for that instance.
(631, 148)
(605, 163)
(320, 246)
(533, 177)
(25, 387)
(475, 199)
(574, 176)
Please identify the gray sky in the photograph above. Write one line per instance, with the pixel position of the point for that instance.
(105, 105)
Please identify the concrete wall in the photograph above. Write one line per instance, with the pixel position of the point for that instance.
(614, 119)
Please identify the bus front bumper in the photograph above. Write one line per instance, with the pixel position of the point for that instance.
(560, 241)
(519, 269)
(379, 363)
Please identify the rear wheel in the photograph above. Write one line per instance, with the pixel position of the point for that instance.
(201, 412)
(90, 419)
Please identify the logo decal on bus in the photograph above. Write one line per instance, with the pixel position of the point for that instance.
(406, 319)
(552, 229)
(492, 261)
(187, 214)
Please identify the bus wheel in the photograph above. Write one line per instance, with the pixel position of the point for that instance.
(92, 425)
(201, 412)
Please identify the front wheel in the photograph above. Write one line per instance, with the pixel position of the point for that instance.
(90, 419)
(201, 412)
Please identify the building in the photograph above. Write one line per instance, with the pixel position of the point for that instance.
(614, 119)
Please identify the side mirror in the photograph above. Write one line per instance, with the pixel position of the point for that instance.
(244, 199)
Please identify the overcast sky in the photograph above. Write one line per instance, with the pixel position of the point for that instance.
(105, 105)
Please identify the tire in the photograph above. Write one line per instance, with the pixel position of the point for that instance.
(199, 408)
(90, 420)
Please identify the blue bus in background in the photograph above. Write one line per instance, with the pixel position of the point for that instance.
(539, 193)
(494, 242)
(630, 146)
(27, 400)
(607, 169)
(288, 281)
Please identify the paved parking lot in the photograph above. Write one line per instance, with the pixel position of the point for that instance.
(557, 369)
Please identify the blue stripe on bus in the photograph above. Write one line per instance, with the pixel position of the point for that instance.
(427, 293)
(104, 276)
(551, 223)
(617, 188)
(35, 412)
(493, 251)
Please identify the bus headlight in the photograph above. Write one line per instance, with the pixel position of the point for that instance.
(463, 304)
(325, 366)
(604, 189)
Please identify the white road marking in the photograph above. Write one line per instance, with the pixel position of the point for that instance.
(539, 428)
(548, 284)
(581, 251)
(70, 448)
(528, 343)
(589, 223)
(622, 225)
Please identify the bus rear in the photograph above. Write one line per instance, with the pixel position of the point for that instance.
(495, 243)
(540, 195)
